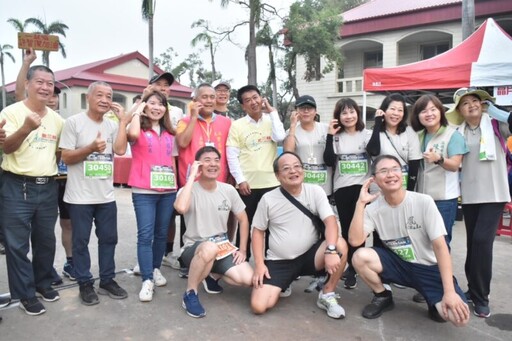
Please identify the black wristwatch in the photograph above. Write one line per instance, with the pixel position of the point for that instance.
(440, 161)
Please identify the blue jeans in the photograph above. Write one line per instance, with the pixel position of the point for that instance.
(28, 222)
(448, 210)
(153, 213)
(105, 220)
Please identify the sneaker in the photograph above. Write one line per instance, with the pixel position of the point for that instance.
(316, 284)
(113, 290)
(287, 292)
(192, 305)
(378, 306)
(399, 286)
(159, 279)
(88, 295)
(350, 281)
(56, 279)
(136, 270)
(171, 261)
(32, 306)
(69, 271)
(49, 295)
(5, 301)
(2, 249)
(434, 315)
(419, 298)
(183, 273)
(468, 297)
(211, 285)
(329, 303)
(482, 311)
(146, 293)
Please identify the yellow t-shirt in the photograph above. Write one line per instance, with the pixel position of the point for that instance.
(36, 154)
(257, 151)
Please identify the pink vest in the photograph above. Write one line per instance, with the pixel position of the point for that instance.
(150, 150)
(218, 131)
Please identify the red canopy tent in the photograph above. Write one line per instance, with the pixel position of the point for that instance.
(483, 59)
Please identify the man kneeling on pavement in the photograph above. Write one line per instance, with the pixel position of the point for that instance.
(415, 254)
(294, 247)
(206, 204)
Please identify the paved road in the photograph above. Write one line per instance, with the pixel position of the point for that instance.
(228, 314)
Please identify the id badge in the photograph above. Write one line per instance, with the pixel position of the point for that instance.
(209, 144)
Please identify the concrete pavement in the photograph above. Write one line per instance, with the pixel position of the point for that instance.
(228, 314)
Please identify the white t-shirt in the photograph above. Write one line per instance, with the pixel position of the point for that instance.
(80, 131)
(292, 233)
(209, 211)
(407, 144)
(407, 229)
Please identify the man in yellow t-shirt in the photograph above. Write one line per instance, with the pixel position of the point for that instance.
(251, 148)
(29, 163)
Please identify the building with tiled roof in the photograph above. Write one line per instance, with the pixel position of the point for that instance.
(127, 74)
(388, 33)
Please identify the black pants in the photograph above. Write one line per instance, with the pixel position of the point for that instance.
(251, 203)
(481, 225)
(346, 200)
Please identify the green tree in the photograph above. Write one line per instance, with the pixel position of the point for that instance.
(4, 52)
(312, 30)
(208, 41)
(56, 27)
(148, 12)
(19, 26)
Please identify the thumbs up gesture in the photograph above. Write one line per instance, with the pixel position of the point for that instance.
(2, 132)
(98, 145)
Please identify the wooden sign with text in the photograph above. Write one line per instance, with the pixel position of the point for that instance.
(45, 42)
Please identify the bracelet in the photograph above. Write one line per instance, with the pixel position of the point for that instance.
(327, 252)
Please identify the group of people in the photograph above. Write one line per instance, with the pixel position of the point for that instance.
(239, 198)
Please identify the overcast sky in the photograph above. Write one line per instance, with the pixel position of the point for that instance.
(100, 29)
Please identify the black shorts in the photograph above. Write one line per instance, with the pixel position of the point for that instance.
(283, 272)
(220, 266)
(63, 207)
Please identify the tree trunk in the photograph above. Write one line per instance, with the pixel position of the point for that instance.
(46, 58)
(272, 76)
(251, 50)
(468, 18)
(4, 97)
(212, 56)
(150, 41)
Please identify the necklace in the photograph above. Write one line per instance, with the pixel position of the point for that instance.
(473, 130)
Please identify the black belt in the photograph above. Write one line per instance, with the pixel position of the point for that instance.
(38, 180)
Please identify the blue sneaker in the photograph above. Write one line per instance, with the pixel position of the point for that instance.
(211, 285)
(192, 305)
(69, 271)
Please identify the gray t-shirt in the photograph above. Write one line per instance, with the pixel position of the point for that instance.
(407, 144)
(407, 229)
(310, 146)
(353, 163)
(79, 131)
(209, 211)
(292, 233)
(484, 181)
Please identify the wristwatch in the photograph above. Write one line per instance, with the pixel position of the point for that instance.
(331, 249)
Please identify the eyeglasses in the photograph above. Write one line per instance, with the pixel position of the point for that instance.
(289, 169)
(461, 92)
(305, 108)
(386, 171)
(222, 91)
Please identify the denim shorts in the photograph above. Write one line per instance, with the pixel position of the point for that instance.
(426, 279)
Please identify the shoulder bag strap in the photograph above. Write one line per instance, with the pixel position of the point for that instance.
(296, 203)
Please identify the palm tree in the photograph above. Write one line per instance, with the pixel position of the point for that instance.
(148, 12)
(56, 27)
(204, 37)
(265, 37)
(19, 26)
(4, 51)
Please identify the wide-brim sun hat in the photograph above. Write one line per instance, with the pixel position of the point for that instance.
(453, 115)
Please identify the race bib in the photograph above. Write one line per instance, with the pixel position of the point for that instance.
(315, 174)
(226, 248)
(402, 247)
(98, 166)
(162, 177)
(353, 164)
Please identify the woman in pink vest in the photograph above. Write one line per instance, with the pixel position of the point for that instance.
(153, 182)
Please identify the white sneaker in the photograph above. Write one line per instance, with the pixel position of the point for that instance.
(329, 303)
(146, 293)
(171, 261)
(160, 280)
(136, 270)
(287, 292)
